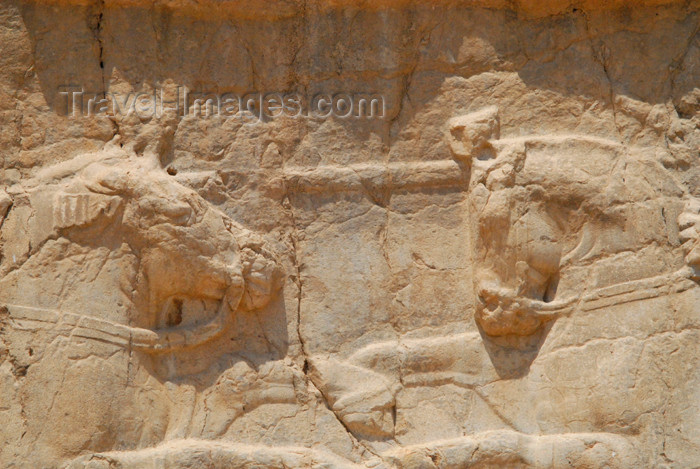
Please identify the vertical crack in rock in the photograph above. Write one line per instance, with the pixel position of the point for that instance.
(604, 52)
(601, 56)
(253, 72)
(307, 365)
(677, 63)
(96, 26)
(129, 363)
(407, 79)
(286, 204)
(404, 93)
(19, 123)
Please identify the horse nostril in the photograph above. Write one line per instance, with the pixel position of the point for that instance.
(550, 289)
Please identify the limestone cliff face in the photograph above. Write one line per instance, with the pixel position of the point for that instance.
(386, 234)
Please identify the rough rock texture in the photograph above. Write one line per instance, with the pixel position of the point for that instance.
(502, 271)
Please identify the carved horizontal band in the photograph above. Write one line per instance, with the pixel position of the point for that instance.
(86, 327)
(358, 177)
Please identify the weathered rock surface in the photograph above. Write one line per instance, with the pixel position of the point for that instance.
(501, 269)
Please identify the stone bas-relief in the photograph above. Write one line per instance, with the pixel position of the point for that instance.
(503, 272)
(534, 228)
(111, 230)
(547, 212)
(169, 269)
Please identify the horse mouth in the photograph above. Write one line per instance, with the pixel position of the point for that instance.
(501, 311)
(185, 321)
(187, 311)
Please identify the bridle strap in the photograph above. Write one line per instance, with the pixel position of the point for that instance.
(86, 327)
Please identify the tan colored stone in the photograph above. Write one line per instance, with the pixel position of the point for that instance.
(500, 270)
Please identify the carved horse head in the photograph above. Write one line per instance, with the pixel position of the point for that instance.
(545, 209)
(113, 236)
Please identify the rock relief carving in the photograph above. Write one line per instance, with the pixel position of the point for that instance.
(543, 208)
(528, 233)
(173, 268)
(547, 207)
(111, 251)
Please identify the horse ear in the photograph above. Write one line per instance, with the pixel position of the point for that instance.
(470, 133)
(82, 209)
